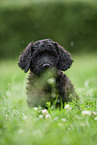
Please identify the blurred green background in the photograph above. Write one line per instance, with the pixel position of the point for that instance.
(72, 23)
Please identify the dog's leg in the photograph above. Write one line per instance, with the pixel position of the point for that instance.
(65, 88)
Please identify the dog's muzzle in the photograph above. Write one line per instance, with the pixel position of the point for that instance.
(46, 66)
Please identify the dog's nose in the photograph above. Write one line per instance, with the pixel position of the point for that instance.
(46, 65)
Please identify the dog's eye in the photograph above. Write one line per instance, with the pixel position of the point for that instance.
(53, 55)
(39, 55)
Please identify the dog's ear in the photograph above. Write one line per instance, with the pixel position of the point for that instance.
(65, 59)
(25, 58)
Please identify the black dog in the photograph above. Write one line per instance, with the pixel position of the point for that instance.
(39, 56)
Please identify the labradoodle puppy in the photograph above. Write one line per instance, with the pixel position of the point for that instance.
(46, 60)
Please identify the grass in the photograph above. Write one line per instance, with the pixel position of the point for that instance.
(70, 126)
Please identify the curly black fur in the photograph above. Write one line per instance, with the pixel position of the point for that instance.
(39, 56)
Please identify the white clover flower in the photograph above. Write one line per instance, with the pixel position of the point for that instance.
(47, 116)
(85, 124)
(56, 118)
(60, 124)
(20, 131)
(67, 106)
(40, 116)
(22, 113)
(82, 124)
(5, 108)
(86, 113)
(37, 132)
(44, 112)
(94, 113)
(63, 119)
(8, 93)
(25, 117)
(68, 128)
(6, 116)
(35, 108)
(95, 118)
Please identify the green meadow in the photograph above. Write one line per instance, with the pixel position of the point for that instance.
(73, 125)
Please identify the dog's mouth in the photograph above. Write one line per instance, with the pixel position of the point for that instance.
(42, 68)
(45, 66)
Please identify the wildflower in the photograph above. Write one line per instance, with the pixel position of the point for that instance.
(37, 132)
(68, 128)
(47, 116)
(40, 116)
(85, 124)
(44, 112)
(95, 118)
(6, 116)
(56, 118)
(25, 117)
(35, 108)
(5, 108)
(94, 113)
(86, 113)
(63, 119)
(82, 124)
(20, 131)
(60, 124)
(67, 106)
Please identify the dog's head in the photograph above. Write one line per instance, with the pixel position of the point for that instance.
(43, 54)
